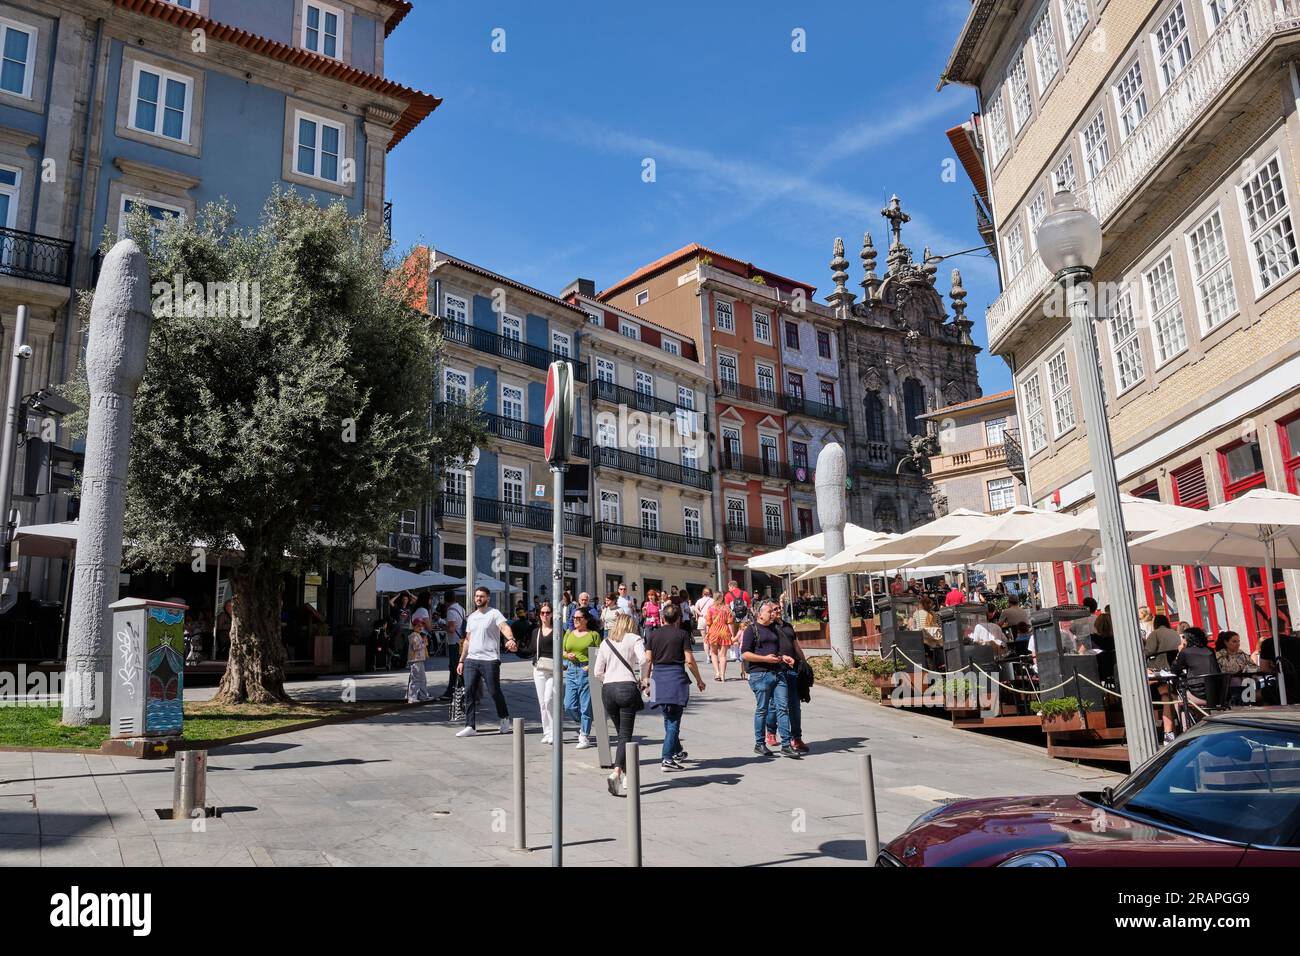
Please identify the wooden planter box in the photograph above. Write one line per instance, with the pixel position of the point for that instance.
(1075, 723)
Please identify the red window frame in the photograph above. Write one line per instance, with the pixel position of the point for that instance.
(1058, 578)
(1204, 588)
(1085, 579)
(1290, 455)
(1157, 579)
(1254, 600)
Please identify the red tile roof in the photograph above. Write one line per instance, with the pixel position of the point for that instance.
(690, 251)
(400, 9)
(983, 400)
(962, 138)
(418, 105)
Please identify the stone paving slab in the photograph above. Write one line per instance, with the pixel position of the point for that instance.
(400, 789)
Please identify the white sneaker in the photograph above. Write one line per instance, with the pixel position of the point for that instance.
(466, 732)
(584, 742)
(546, 738)
(505, 725)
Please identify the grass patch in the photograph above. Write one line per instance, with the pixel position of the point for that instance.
(855, 680)
(204, 720)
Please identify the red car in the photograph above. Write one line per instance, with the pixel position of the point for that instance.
(1227, 793)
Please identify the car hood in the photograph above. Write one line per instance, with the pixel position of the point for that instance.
(988, 832)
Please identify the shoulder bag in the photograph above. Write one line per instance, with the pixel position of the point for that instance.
(640, 699)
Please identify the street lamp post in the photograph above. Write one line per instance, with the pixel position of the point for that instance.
(1069, 240)
(717, 558)
(470, 463)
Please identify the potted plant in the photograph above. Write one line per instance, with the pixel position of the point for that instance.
(881, 670)
(1059, 715)
(807, 627)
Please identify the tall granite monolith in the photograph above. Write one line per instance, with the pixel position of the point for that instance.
(116, 348)
(832, 512)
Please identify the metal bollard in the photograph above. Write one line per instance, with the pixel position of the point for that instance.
(869, 809)
(521, 841)
(190, 784)
(633, 775)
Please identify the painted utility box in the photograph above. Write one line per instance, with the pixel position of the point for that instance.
(148, 668)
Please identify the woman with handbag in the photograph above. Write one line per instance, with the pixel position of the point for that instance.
(541, 640)
(720, 628)
(621, 666)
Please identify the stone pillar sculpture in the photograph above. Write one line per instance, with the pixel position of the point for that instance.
(118, 343)
(832, 510)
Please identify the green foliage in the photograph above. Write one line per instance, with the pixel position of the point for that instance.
(758, 280)
(808, 620)
(882, 666)
(302, 431)
(1057, 707)
(957, 687)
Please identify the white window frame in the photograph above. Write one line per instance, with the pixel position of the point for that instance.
(164, 77)
(561, 339)
(318, 149)
(1213, 13)
(1060, 181)
(766, 324)
(1171, 313)
(1031, 399)
(647, 444)
(1045, 50)
(727, 308)
(14, 193)
(759, 369)
(1062, 396)
(671, 346)
(1180, 51)
(1133, 81)
(644, 383)
(642, 297)
(999, 138)
(1283, 214)
(1074, 27)
(515, 324)
(686, 397)
(727, 432)
(455, 481)
(768, 514)
(457, 312)
(692, 516)
(604, 366)
(606, 433)
(508, 481)
(447, 372)
(128, 198)
(1126, 341)
(523, 402)
(324, 8)
(743, 511)
(1021, 93)
(650, 512)
(1101, 146)
(727, 360)
(1036, 212)
(998, 425)
(1014, 245)
(1005, 485)
(610, 504)
(29, 68)
(1211, 277)
(770, 440)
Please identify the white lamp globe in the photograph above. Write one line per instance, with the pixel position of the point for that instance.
(1069, 237)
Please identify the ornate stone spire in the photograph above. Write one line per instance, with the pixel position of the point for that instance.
(958, 296)
(899, 254)
(868, 254)
(839, 266)
(929, 265)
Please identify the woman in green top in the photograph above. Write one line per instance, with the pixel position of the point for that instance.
(577, 691)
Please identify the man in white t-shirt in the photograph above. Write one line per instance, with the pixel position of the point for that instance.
(455, 630)
(480, 659)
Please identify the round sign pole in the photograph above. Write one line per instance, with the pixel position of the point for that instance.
(557, 440)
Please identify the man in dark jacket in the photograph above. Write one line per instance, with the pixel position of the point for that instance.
(799, 681)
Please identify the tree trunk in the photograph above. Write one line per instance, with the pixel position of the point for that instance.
(255, 669)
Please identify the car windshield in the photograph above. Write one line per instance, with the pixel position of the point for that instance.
(1224, 781)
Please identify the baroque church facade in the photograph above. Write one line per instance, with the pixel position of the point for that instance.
(904, 357)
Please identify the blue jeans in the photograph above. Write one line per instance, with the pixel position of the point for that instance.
(672, 729)
(796, 710)
(771, 693)
(577, 696)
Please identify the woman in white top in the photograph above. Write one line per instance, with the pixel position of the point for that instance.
(621, 666)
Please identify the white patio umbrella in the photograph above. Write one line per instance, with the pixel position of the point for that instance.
(389, 579)
(981, 545)
(783, 563)
(1079, 538)
(931, 535)
(494, 586)
(854, 537)
(1259, 529)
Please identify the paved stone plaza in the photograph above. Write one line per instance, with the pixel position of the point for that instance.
(401, 789)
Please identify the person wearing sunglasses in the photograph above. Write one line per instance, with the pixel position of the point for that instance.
(541, 639)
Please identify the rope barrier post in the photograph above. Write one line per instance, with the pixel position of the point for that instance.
(521, 841)
(870, 822)
(633, 782)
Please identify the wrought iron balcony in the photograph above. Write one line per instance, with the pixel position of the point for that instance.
(388, 220)
(483, 340)
(491, 511)
(526, 433)
(1013, 453)
(1212, 71)
(411, 547)
(758, 537)
(603, 391)
(629, 536)
(609, 457)
(748, 393)
(26, 255)
(753, 465)
(798, 405)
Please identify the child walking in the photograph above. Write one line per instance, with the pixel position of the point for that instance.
(417, 652)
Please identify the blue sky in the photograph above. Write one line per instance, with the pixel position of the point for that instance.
(532, 166)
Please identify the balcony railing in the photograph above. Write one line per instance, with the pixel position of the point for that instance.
(758, 537)
(1246, 30)
(526, 433)
(483, 340)
(628, 536)
(798, 405)
(603, 391)
(25, 255)
(752, 464)
(411, 547)
(491, 511)
(652, 467)
(988, 456)
(1014, 454)
(748, 393)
